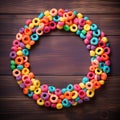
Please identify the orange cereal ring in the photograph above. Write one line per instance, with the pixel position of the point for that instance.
(68, 95)
(44, 21)
(26, 64)
(19, 48)
(31, 75)
(32, 42)
(61, 96)
(103, 76)
(59, 101)
(68, 22)
(88, 22)
(25, 91)
(104, 57)
(92, 68)
(19, 60)
(96, 84)
(26, 39)
(28, 31)
(70, 15)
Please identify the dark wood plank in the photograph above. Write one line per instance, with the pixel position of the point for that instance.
(85, 6)
(59, 55)
(104, 105)
(12, 23)
(58, 59)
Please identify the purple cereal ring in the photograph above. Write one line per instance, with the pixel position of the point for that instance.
(44, 95)
(12, 54)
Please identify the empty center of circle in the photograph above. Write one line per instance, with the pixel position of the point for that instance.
(59, 55)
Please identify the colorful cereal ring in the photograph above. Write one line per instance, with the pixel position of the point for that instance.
(95, 40)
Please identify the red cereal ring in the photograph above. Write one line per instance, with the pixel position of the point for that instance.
(81, 94)
(101, 44)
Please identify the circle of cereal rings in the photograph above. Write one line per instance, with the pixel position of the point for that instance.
(73, 94)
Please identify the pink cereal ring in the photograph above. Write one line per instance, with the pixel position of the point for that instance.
(28, 21)
(61, 24)
(25, 77)
(35, 96)
(77, 87)
(27, 82)
(107, 50)
(58, 92)
(16, 43)
(81, 94)
(44, 88)
(91, 75)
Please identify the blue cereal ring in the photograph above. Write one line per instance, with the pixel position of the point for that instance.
(94, 41)
(51, 88)
(34, 37)
(93, 27)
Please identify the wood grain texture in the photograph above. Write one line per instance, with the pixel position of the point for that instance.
(84, 6)
(57, 59)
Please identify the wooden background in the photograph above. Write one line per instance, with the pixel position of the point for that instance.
(58, 59)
